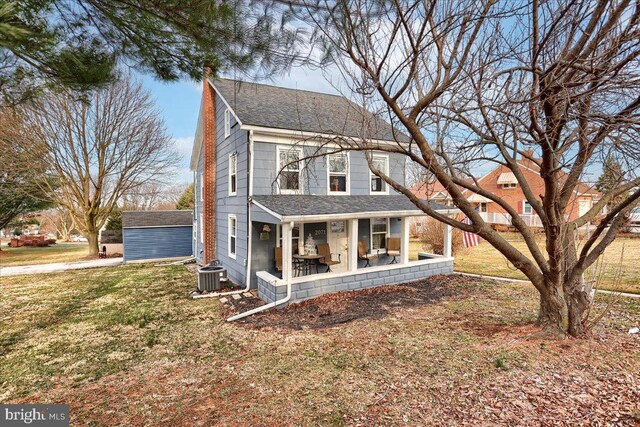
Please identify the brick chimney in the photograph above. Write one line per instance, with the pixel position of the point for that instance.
(209, 169)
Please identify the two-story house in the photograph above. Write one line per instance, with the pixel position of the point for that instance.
(270, 201)
(502, 182)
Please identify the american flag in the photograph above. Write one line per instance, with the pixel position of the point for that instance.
(468, 238)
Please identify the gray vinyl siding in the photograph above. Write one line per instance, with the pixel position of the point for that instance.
(147, 243)
(314, 176)
(262, 251)
(236, 142)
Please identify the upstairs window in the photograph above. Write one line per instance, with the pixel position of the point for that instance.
(510, 185)
(526, 207)
(233, 174)
(227, 123)
(233, 229)
(338, 173)
(289, 168)
(378, 186)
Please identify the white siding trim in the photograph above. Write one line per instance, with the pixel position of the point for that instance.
(231, 218)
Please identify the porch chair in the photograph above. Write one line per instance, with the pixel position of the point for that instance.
(363, 253)
(278, 253)
(325, 251)
(393, 248)
(297, 265)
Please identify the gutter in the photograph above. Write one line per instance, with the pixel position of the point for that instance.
(263, 307)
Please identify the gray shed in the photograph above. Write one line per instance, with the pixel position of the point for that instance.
(152, 235)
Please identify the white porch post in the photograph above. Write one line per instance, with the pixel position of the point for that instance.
(448, 233)
(287, 264)
(404, 240)
(353, 245)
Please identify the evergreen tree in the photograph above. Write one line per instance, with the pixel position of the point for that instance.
(186, 199)
(611, 178)
(114, 222)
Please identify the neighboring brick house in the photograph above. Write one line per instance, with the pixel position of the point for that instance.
(502, 182)
(260, 223)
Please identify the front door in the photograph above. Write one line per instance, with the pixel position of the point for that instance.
(338, 242)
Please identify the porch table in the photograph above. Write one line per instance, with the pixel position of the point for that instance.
(307, 261)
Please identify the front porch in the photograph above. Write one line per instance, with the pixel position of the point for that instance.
(367, 244)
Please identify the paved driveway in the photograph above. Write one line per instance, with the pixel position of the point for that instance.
(59, 266)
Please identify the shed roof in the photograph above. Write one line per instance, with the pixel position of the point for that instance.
(140, 219)
(301, 110)
(316, 206)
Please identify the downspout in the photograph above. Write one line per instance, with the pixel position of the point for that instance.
(264, 307)
(249, 231)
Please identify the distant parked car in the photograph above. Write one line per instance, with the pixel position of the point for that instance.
(79, 239)
(634, 218)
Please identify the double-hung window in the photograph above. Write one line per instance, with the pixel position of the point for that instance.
(378, 233)
(378, 186)
(227, 123)
(233, 230)
(338, 173)
(289, 170)
(233, 174)
(526, 207)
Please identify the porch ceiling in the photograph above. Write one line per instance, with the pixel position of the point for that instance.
(295, 207)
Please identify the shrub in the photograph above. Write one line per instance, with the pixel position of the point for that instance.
(432, 235)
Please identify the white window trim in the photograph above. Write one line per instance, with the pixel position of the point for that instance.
(348, 175)
(202, 187)
(234, 218)
(300, 234)
(300, 190)
(386, 235)
(233, 158)
(486, 207)
(371, 175)
(524, 208)
(509, 185)
(227, 123)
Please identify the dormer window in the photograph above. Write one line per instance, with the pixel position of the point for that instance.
(289, 168)
(378, 186)
(507, 180)
(338, 173)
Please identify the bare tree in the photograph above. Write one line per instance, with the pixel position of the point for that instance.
(60, 220)
(97, 149)
(477, 82)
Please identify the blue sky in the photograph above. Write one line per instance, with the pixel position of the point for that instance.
(179, 102)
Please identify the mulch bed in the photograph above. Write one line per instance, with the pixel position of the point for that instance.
(342, 307)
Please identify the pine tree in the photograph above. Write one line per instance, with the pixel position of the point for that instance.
(612, 176)
(186, 199)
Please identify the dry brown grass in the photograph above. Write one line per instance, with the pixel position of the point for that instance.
(64, 252)
(124, 346)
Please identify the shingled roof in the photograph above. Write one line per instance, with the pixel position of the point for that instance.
(302, 110)
(173, 218)
(299, 205)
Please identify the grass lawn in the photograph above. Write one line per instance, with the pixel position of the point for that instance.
(484, 259)
(124, 346)
(61, 252)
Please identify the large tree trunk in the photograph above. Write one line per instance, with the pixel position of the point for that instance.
(551, 314)
(578, 305)
(92, 237)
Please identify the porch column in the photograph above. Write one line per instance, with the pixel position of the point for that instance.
(404, 240)
(448, 233)
(287, 264)
(353, 245)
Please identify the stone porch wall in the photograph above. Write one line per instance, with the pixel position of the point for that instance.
(270, 288)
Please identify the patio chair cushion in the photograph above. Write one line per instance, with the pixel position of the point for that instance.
(393, 246)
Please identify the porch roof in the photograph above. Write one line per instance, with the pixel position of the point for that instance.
(299, 207)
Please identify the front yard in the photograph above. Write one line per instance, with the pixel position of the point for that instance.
(124, 346)
(62, 252)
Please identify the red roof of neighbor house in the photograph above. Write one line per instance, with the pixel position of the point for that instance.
(430, 190)
(433, 189)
